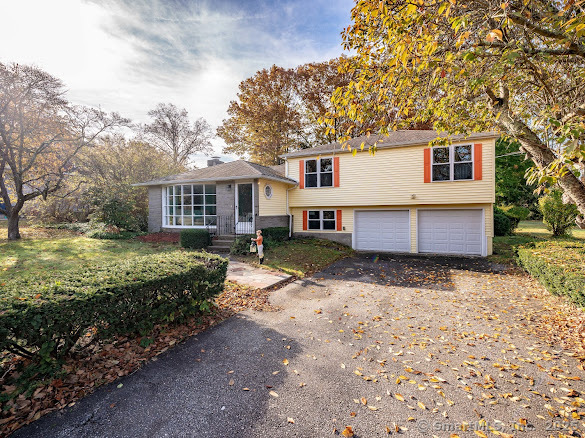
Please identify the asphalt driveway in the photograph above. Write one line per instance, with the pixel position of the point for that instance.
(402, 345)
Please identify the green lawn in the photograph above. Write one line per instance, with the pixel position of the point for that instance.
(527, 231)
(301, 257)
(43, 250)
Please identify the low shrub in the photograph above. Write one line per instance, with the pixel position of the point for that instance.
(558, 265)
(47, 316)
(502, 225)
(275, 234)
(557, 216)
(195, 238)
(241, 245)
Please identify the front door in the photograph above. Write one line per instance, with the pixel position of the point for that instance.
(244, 209)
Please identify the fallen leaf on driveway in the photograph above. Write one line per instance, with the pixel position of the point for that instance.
(273, 394)
(290, 420)
(347, 432)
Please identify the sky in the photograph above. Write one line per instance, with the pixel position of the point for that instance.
(128, 55)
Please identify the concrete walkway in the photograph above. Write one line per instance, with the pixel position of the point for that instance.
(248, 275)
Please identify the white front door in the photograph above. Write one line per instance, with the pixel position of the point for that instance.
(456, 231)
(244, 213)
(382, 230)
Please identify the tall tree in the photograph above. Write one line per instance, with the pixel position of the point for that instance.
(264, 122)
(315, 84)
(40, 136)
(517, 66)
(511, 169)
(172, 132)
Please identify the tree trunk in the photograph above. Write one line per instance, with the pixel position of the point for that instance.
(542, 156)
(13, 228)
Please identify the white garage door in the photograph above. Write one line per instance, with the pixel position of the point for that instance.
(450, 231)
(382, 230)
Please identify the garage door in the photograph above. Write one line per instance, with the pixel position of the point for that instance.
(450, 231)
(382, 230)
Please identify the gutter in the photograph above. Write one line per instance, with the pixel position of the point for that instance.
(308, 152)
(192, 181)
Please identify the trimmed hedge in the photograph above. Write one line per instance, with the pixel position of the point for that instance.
(48, 316)
(195, 238)
(275, 234)
(558, 265)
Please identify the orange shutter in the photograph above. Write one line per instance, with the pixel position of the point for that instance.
(477, 158)
(305, 219)
(336, 171)
(302, 175)
(339, 220)
(427, 165)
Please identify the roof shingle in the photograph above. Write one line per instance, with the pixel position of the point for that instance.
(393, 139)
(224, 172)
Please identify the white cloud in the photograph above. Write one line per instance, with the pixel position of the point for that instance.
(127, 56)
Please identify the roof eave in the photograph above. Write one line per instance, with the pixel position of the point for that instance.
(200, 180)
(381, 146)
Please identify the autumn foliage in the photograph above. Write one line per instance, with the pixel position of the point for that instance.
(513, 66)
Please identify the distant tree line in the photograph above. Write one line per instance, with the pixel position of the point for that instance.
(60, 161)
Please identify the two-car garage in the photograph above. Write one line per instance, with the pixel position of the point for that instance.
(440, 231)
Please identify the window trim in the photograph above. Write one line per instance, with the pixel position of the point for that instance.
(165, 205)
(321, 220)
(452, 163)
(318, 173)
(266, 195)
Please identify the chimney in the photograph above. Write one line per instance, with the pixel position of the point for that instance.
(214, 161)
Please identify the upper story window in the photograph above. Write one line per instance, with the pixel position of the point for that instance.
(452, 163)
(319, 172)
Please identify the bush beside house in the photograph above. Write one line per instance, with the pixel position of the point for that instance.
(195, 238)
(504, 223)
(49, 316)
(272, 236)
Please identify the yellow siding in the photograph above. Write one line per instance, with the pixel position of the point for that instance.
(348, 218)
(276, 205)
(394, 176)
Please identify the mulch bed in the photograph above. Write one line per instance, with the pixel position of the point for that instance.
(105, 363)
(160, 237)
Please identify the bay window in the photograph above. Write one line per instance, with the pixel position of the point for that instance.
(190, 205)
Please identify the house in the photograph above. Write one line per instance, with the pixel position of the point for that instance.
(407, 197)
